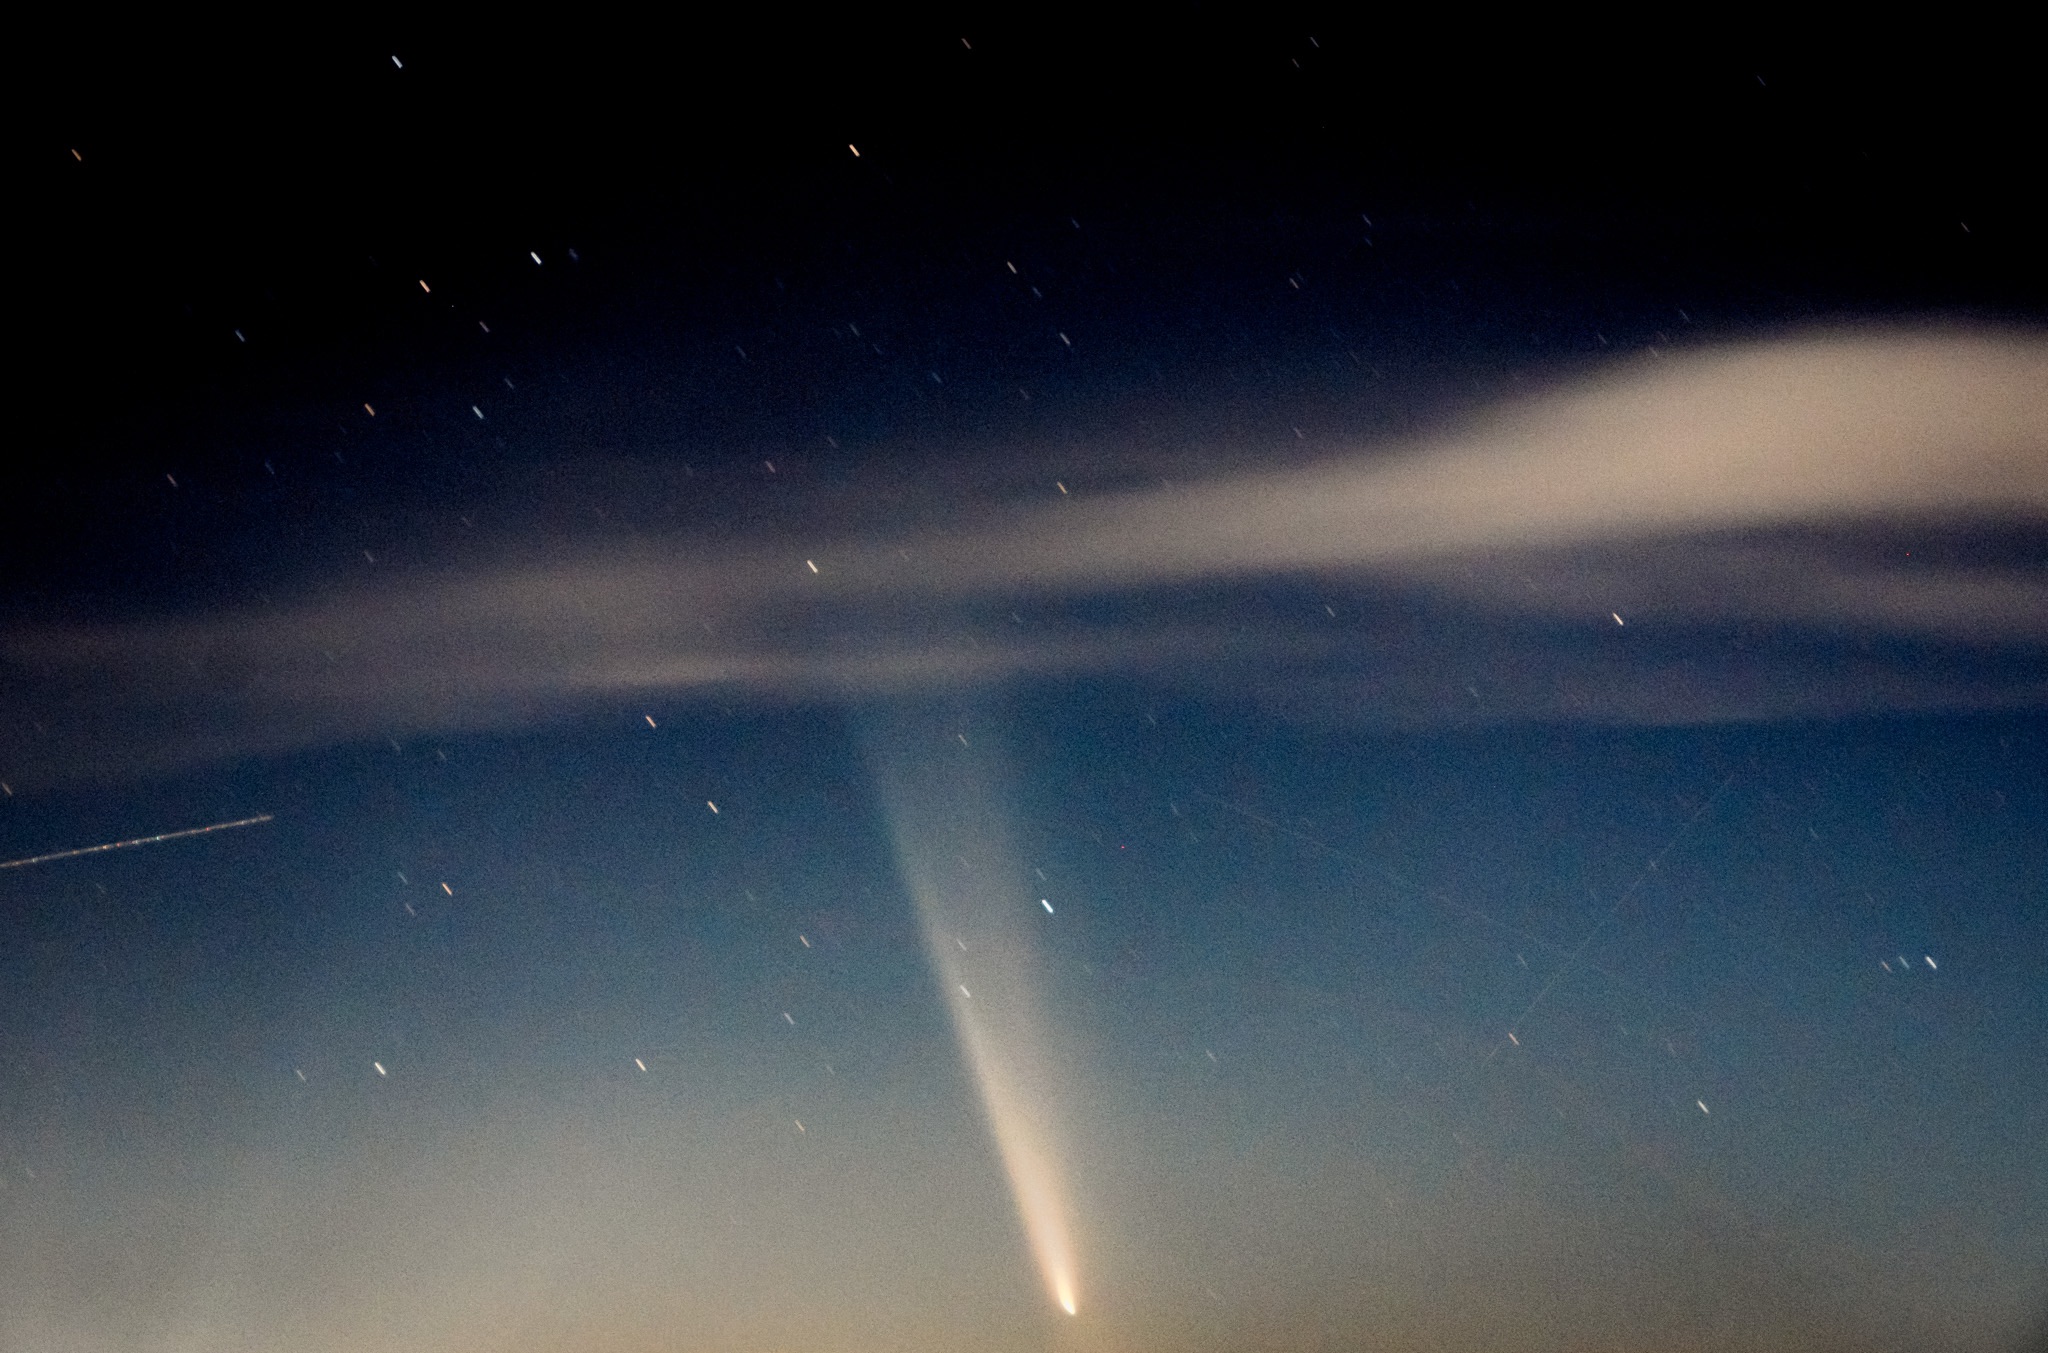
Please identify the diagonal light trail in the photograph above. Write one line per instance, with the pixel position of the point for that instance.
(1572, 961)
(25, 861)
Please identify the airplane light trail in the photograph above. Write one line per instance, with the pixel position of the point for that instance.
(138, 841)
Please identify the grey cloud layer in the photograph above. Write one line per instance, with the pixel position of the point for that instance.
(1772, 487)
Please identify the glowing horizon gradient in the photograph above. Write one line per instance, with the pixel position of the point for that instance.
(954, 856)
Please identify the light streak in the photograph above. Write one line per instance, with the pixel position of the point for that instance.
(1572, 959)
(24, 862)
(955, 861)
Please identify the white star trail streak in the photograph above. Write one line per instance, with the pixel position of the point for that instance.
(953, 852)
(27, 860)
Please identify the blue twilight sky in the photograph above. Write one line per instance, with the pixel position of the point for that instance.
(1307, 695)
(1279, 969)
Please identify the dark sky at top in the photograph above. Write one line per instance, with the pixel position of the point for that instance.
(1254, 200)
(707, 544)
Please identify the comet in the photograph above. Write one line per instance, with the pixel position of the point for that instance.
(28, 860)
(955, 860)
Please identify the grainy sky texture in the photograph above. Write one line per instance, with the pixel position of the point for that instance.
(862, 687)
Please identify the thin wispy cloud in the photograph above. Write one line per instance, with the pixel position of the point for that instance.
(1816, 494)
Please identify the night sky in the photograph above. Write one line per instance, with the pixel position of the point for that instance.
(1245, 686)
